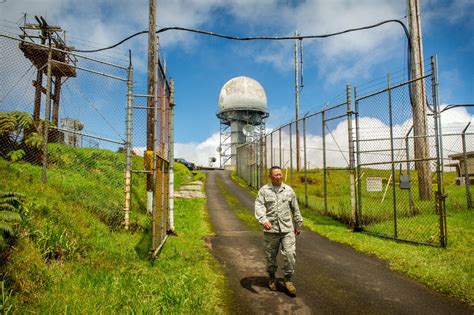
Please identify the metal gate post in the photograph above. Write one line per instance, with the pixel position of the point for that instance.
(407, 152)
(128, 133)
(392, 162)
(305, 164)
(467, 181)
(358, 172)
(154, 232)
(171, 158)
(355, 218)
(279, 147)
(323, 134)
(271, 150)
(291, 156)
(440, 196)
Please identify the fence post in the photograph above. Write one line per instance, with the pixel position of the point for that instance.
(305, 164)
(154, 205)
(279, 146)
(162, 140)
(440, 196)
(323, 134)
(264, 156)
(291, 155)
(271, 150)
(171, 158)
(407, 150)
(47, 113)
(394, 196)
(467, 181)
(128, 132)
(358, 172)
(355, 219)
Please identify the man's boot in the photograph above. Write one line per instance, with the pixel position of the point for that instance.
(272, 284)
(289, 285)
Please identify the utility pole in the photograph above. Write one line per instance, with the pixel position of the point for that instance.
(297, 106)
(418, 102)
(151, 100)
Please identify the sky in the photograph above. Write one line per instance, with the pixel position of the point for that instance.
(201, 65)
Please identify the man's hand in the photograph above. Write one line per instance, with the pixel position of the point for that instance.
(267, 225)
(297, 232)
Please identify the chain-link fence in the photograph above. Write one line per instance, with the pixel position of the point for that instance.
(152, 112)
(458, 153)
(399, 162)
(59, 112)
(381, 167)
(63, 114)
(316, 166)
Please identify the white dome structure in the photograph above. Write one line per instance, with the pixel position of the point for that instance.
(242, 93)
(242, 107)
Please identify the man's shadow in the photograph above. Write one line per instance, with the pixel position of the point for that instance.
(249, 283)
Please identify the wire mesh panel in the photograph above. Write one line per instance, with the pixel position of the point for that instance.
(62, 114)
(314, 163)
(398, 168)
(458, 147)
(151, 118)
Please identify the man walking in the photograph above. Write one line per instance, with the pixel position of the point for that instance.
(276, 209)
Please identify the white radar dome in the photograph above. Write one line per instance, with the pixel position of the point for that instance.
(242, 93)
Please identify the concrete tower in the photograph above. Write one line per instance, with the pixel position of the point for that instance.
(242, 107)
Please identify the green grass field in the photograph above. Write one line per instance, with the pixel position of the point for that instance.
(71, 254)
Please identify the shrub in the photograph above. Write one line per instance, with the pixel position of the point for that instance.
(55, 244)
(11, 212)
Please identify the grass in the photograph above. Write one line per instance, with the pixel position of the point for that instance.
(73, 256)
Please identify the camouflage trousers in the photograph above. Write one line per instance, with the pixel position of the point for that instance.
(272, 242)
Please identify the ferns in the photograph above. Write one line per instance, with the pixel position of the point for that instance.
(19, 135)
(11, 211)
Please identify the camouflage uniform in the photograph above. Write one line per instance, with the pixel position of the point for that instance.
(280, 207)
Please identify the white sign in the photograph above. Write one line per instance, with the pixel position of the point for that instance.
(373, 183)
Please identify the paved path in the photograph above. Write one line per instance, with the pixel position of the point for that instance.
(331, 278)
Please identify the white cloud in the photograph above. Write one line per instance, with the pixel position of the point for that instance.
(199, 153)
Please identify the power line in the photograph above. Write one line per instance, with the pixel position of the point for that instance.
(165, 29)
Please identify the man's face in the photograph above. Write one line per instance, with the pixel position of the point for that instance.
(276, 177)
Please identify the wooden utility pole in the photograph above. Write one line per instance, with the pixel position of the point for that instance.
(420, 127)
(151, 101)
(297, 106)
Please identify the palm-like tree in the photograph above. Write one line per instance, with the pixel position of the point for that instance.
(17, 130)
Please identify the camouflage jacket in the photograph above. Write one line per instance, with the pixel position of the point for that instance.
(279, 206)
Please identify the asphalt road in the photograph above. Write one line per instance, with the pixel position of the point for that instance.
(330, 278)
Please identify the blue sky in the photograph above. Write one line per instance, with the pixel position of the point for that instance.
(201, 65)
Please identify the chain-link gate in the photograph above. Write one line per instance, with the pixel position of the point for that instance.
(157, 166)
(71, 122)
(400, 184)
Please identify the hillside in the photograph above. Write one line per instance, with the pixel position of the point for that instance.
(70, 253)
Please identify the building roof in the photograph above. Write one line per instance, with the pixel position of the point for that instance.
(460, 156)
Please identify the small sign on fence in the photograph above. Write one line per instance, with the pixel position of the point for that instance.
(373, 183)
